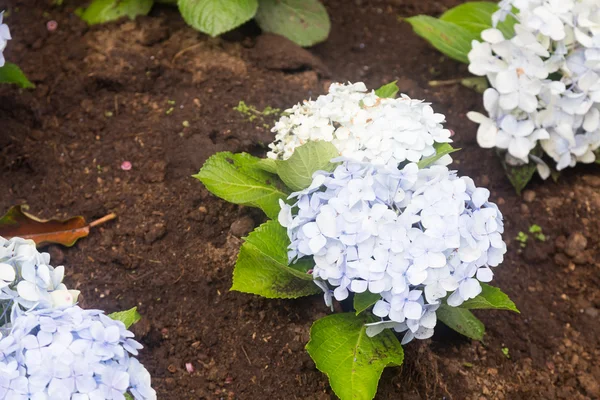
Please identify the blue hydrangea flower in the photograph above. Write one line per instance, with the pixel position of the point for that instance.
(71, 353)
(412, 236)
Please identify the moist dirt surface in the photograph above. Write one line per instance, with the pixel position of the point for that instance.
(160, 95)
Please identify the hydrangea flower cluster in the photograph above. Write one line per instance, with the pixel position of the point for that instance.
(28, 281)
(71, 353)
(4, 38)
(363, 126)
(545, 94)
(413, 236)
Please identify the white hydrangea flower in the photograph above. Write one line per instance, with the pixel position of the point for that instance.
(363, 126)
(4, 38)
(545, 94)
(412, 236)
(28, 281)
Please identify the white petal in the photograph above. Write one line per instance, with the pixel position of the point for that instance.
(28, 291)
(413, 310)
(7, 273)
(492, 35)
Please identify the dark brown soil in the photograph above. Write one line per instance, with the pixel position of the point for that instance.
(123, 91)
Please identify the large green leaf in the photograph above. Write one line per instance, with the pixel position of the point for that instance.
(215, 17)
(128, 317)
(353, 361)
(462, 321)
(304, 22)
(101, 11)
(237, 179)
(477, 16)
(297, 171)
(262, 266)
(388, 90)
(364, 300)
(490, 297)
(451, 39)
(441, 149)
(11, 73)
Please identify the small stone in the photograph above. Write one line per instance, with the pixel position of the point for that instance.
(528, 196)
(591, 180)
(560, 242)
(524, 209)
(576, 243)
(561, 259)
(592, 312)
(590, 385)
(501, 201)
(485, 180)
(242, 226)
(156, 232)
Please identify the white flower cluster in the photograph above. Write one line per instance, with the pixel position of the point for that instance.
(411, 235)
(363, 126)
(545, 94)
(70, 353)
(4, 38)
(28, 281)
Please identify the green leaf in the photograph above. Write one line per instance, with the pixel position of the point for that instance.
(353, 361)
(490, 297)
(364, 300)
(388, 91)
(449, 38)
(441, 149)
(462, 321)
(11, 73)
(128, 396)
(262, 266)
(237, 179)
(519, 176)
(297, 171)
(101, 11)
(128, 317)
(477, 16)
(267, 164)
(304, 22)
(215, 17)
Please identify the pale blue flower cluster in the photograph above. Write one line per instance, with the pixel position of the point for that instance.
(71, 353)
(28, 281)
(545, 94)
(413, 236)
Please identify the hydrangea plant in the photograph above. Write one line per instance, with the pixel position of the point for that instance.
(305, 22)
(365, 211)
(541, 59)
(10, 73)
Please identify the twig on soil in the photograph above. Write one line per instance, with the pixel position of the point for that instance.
(246, 354)
(102, 220)
(446, 82)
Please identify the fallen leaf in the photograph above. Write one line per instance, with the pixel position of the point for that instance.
(18, 223)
